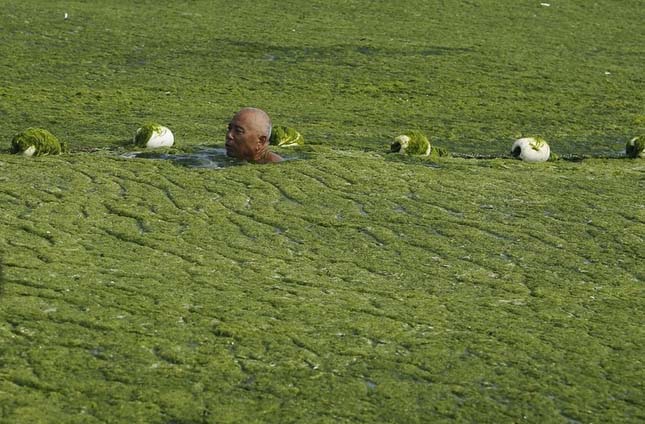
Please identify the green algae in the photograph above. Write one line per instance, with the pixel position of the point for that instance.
(353, 286)
(538, 143)
(473, 86)
(286, 137)
(438, 152)
(298, 291)
(37, 142)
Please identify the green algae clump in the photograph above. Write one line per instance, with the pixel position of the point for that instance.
(437, 152)
(635, 147)
(37, 142)
(639, 120)
(286, 137)
(411, 143)
(144, 133)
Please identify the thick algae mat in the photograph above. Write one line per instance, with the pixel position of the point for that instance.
(347, 285)
(344, 288)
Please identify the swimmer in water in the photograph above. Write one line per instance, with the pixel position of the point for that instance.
(248, 137)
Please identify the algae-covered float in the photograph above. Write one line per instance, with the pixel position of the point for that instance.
(635, 148)
(416, 143)
(153, 135)
(531, 149)
(37, 142)
(411, 143)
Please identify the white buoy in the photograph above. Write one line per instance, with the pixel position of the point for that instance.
(154, 136)
(29, 151)
(531, 149)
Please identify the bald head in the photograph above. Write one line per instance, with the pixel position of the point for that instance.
(257, 119)
(248, 136)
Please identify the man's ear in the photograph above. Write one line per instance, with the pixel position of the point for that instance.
(263, 140)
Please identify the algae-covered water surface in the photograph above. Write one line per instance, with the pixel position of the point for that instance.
(348, 284)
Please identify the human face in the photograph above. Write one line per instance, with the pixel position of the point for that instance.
(242, 139)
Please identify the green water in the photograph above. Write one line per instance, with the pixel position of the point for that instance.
(347, 284)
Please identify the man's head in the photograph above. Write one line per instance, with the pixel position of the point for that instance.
(248, 135)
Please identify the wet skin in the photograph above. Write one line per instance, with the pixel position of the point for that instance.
(247, 137)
